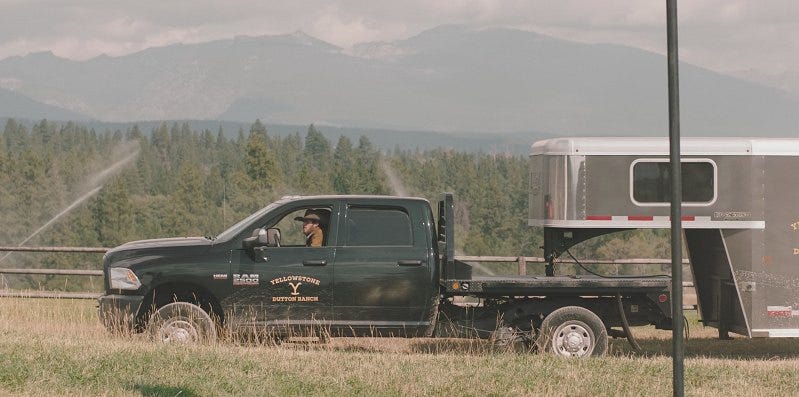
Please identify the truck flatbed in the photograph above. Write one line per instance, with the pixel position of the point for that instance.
(555, 285)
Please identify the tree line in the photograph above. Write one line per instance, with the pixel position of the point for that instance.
(129, 185)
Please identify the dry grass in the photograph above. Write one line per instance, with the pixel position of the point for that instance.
(50, 347)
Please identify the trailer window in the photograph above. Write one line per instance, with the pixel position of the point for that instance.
(651, 185)
(378, 227)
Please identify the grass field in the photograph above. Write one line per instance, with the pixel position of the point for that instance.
(58, 347)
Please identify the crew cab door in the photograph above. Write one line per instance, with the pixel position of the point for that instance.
(289, 284)
(382, 278)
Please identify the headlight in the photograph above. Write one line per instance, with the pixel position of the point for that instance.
(123, 278)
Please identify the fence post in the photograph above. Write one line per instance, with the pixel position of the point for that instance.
(522, 266)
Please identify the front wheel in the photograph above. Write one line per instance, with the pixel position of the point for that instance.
(573, 331)
(182, 322)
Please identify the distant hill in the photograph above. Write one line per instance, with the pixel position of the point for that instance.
(16, 105)
(448, 79)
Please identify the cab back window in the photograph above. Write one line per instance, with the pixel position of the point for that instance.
(369, 226)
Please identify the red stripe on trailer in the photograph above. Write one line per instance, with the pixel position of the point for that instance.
(644, 218)
(779, 311)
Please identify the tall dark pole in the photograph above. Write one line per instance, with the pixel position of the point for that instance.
(676, 200)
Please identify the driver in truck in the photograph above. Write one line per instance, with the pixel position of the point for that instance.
(311, 228)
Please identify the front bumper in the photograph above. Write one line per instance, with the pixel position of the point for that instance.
(119, 312)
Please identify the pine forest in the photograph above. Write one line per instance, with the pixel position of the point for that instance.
(62, 184)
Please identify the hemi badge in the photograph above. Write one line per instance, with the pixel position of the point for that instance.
(220, 276)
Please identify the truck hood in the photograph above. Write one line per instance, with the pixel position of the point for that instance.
(156, 247)
(142, 251)
(174, 242)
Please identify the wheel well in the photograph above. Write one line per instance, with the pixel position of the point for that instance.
(178, 292)
(528, 314)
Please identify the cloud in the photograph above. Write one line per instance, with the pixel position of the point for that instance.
(332, 28)
(724, 35)
(124, 27)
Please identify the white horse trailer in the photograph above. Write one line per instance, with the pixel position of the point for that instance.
(740, 215)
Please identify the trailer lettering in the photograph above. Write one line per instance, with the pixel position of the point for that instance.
(729, 215)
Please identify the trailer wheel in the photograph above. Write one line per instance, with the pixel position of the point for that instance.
(573, 331)
(182, 322)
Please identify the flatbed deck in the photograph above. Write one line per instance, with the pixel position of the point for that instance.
(588, 285)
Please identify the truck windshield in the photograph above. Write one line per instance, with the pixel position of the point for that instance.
(239, 226)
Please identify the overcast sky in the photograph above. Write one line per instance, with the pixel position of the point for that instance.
(730, 36)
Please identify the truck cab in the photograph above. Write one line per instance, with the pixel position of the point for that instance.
(375, 273)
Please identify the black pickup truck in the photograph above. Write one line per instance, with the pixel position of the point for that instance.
(386, 268)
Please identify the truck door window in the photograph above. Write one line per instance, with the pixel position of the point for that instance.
(378, 227)
(291, 234)
(651, 185)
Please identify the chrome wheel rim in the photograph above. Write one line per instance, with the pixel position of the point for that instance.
(178, 331)
(573, 339)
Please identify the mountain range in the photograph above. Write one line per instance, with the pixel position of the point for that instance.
(447, 79)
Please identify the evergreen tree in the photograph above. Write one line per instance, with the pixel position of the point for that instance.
(369, 178)
(289, 155)
(315, 167)
(260, 164)
(317, 148)
(343, 177)
(42, 135)
(134, 133)
(191, 211)
(113, 214)
(2, 154)
(16, 136)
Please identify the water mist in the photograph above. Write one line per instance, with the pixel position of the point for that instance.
(94, 183)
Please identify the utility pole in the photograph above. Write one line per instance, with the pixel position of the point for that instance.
(678, 348)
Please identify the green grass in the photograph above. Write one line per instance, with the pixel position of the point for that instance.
(54, 347)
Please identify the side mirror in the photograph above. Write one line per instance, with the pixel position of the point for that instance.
(272, 237)
(262, 238)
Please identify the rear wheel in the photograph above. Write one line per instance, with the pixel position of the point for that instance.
(573, 331)
(182, 322)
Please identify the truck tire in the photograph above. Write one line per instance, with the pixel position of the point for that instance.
(182, 322)
(573, 331)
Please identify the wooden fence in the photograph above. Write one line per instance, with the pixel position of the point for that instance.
(522, 262)
(53, 272)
